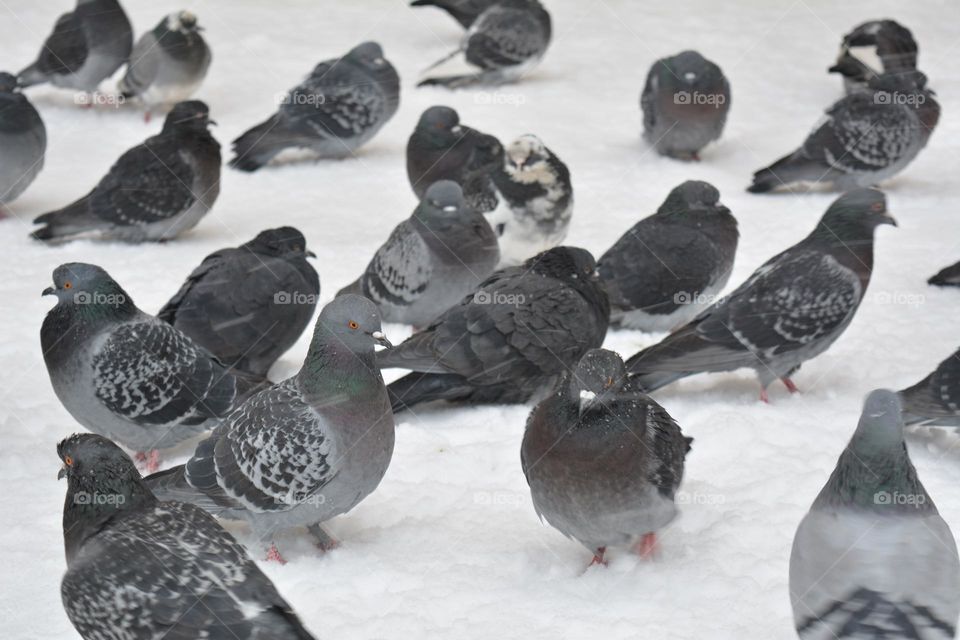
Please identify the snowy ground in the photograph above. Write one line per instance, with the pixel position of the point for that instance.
(449, 546)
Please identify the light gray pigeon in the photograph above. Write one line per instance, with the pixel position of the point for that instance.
(138, 568)
(867, 137)
(463, 11)
(431, 260)
(168, 64)
(248, 305)
(790, 310)
(86, 47)
(685, 102)
(873, 49)
(603, 460)
(873, 558)
(305, 450)
(935, 400)
(154, 192)
(341, 105)
(672, 265)
(947, 277)
(503, 44)
(128, 375)
(535, 200)
(23, 142)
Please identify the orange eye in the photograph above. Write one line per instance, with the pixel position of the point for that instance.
(877, 206)
(67, 460)
(353, 325)
(67, 285)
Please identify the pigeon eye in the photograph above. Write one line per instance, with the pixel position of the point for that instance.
(353, 325)
(67, 460)
(610, 382)
(67, 285)
(876, 206)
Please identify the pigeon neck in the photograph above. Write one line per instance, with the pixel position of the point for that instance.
(90, 506)
(884, 482)
(331, 369)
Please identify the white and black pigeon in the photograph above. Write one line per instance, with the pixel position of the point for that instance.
(935, 400)
(23, 142)
(305, 450)
(138, 568)
(128, 375)
(947, 277)
(247, 305)
(504, 43)
(86, 47)
(873, 49)
(672, 265)
(790, 310)
(431, 260)
(685, 102)
(603, 460)
(154, 192)
(168, 64)
(866, 138)
(511, 340)
(873, 558)
(535, 200)
(463, 11)
(337, 109)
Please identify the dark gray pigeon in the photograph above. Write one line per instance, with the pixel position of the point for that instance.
(873, 558)
(512, 340)
(503, 44)
(947, 277)
(672, 265)
(685, 102)
(340, 106)
(86, 47)
(442, 252)
(23, 142)
(790, 310)
(305, 450)
(128, 375)
(873, 49)
(935, 400)
(138, 568)
(248, 305)
(603, 460)
(867, 137)
(463, 11)
(154, 192)
(168, 64)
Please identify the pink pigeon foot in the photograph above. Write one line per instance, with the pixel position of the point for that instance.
(788, 383)
(148, 462)
(273, 554)
(647, 546)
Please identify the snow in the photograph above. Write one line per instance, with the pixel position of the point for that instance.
(449, 545)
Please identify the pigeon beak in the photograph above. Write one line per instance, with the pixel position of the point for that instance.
(62, 473)
(310, 254)
(211, 122)
(834, 69)
(49, 291)
(888, 219)
(381, 339)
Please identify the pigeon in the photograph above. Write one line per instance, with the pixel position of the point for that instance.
(603, 460)
(248, 305)
(306, 449)
(465, 12)
(670, 266)
(511, 340)
(873, 49)
(504, 43)
(431, 260)
(790, 310)
(337, 109)
(141, 568)
(685, 102)
(86, 47)
(535, 200)
(873, 558)
(440, 148)
(947, 277)
(154, 192)
(125, 374)
(935, 400)
(168, 64)
(866, 138)
(23, 141)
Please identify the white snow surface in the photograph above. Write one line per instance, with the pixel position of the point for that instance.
(449, 545)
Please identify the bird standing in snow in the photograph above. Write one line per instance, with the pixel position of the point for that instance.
(23, 142)
(872, 49)
(935, 400)
(463, 11)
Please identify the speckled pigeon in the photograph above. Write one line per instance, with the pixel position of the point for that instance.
(947, 277)
(872, 49)
(935, 400)
(463, 11)
(23, 141)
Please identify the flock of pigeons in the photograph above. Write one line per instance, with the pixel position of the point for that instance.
(503, 313)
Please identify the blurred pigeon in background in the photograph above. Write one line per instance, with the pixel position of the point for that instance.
(935, 400)
(463, 11)
(23, 142)
(872, 49)
(947, 277)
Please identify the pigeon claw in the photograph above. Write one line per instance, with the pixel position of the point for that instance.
(764, 398)
(273, 554)
(788, 383)
(646, 547)
(598, 557)
(148, 462)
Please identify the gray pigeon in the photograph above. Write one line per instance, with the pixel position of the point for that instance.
(947, 277)
(167, 64)
(602, 459)
(935, 400)
(535, 200)
(512, 340)
(873, 558)
(503, 44)
(431, 260)
(670, 266)
(248, 305)
(125, 374)
(790, 310)
(463, 11)
(341, 105)
(867, 137)
(154, 192)
(305, 450)
(138, 568)
(873, 49)
(23, 141)
(86, 47)
(685, 102)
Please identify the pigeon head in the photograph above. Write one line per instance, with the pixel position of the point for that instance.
(367, 54)
(352, 322)
(439, 123)
(183, 22)
(692, 195)
(527, 161)
(687, 71)
(8, 82)
(87, 287)
(444, 199)
(853, 217)
(596, 380)
(190, 115)
(95, 458)
(881, 425)
(283, 241)
(565, 263)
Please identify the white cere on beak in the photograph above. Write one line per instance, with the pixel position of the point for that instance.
(586, 395)
(456, 130)
(450, 208)
(378, 335)
(689, 76)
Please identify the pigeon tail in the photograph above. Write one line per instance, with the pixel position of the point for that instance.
(258, 145)
(785, 171)
(71, 220)
(454, 82)
(416, 388)
(172, 485)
